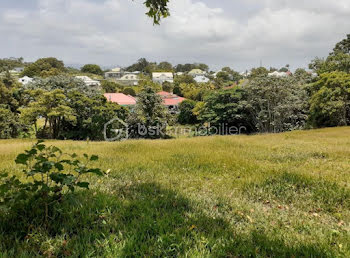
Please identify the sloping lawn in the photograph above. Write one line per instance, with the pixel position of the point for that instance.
(284, 195)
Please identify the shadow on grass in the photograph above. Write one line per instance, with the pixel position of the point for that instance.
(140, 220)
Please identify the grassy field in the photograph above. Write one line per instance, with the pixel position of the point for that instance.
(283, 195)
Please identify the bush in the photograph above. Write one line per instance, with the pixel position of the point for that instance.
(129, 91)
(50, 175)
(186, 115)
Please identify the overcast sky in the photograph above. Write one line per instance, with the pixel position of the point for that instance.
(235, 33)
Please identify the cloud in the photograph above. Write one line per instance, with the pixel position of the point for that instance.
(239, 34)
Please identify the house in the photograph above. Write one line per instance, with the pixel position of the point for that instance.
(171, 101)
(25, 80)
(246, 74)
(163, 77)
(197, 72)
(201, 79)
(88, 81)
(115, 73)
(280, 74)
(179, 73)
(121, 99)
(129, 78)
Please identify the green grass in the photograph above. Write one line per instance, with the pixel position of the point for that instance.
(283, 195)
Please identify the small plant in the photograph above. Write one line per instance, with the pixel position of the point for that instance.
(50, 174)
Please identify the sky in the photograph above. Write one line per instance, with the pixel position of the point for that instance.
(240, 34)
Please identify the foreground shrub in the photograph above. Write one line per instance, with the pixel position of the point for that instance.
(51, 174)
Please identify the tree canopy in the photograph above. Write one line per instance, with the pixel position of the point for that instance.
(92, 68)
(44, 67)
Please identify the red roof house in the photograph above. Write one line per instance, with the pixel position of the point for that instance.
(170, 99)
(121, 99)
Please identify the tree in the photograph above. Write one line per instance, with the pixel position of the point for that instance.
(168, 87)
(53, 107)
(260, 71)
(64, 83)
(111, 87)
(7, 64)
(91, 114)
(195, 91)
(139, 66)
(129, 91)
(44, 67)
(277, 104)
(9, 123)
(186, 115)
(165, 67)
(284, 69)
(149, 117)
(92, 68)
(338, 60)
(302, 76)
(234, 76)
(343, 46)
(226, 109)
(330, 100)
(10, 126)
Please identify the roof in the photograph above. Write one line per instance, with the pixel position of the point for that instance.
(173, 101)
(196, 71)
(201, 78)
(121, 99)
(117, 70)
(165, 74)
(164, 94)
(170, 99)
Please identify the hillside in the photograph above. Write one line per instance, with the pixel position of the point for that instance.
(277, 195)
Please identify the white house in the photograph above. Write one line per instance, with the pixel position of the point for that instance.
(201, 79)
(115, 73)
(163, 77)
(88, 81)
(25, 80)
(129, 79)
(279, 74)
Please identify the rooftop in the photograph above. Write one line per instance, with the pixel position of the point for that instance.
(121, 99)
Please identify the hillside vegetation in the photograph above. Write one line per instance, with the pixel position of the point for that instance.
(265, 195)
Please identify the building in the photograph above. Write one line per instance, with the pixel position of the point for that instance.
(121, 99)
(163, 77)
(197, 72)
(280, 74)
(201, 79)
(171, 101)
(88, 81)
(25, 80)
(129, 78)
(115, 73)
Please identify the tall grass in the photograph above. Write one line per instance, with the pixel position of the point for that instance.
(278, 195)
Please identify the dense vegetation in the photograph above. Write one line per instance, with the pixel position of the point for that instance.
(58, 106)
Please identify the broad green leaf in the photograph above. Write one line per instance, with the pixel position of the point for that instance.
(83, 185)
(93, 158)
(22, 159)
